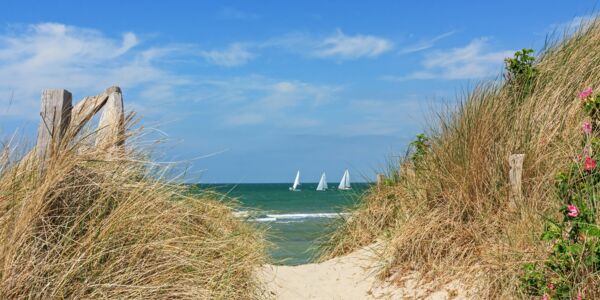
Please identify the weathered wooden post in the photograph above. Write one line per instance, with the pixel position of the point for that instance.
(515, 175)
(85, 111)
(111, 131)
(55, 117)
(380, 179)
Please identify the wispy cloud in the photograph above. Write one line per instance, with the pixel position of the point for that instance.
(232, 13)
(337, 46)
(473, 61)
(234, 55)
(86, 61)
(50, 55)
(344, 46)
(254, 100)
(424, 44)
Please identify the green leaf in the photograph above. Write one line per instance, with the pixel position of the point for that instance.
(552, 231)
(591, 229)
(575, 249)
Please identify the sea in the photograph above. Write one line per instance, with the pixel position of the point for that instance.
(296, 222)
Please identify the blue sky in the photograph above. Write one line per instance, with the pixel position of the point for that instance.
(251, 91)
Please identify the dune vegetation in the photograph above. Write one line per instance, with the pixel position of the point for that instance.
(446, 211)
(91, 224)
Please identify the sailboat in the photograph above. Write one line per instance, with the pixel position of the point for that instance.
(345, 182)
(294, 187)
(322, 183)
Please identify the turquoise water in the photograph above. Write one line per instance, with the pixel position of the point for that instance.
(295, 220)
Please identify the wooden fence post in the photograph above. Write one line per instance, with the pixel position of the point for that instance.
(515, 175)
(55, 117)
(85, 111)
(380, 179)
(111, 131)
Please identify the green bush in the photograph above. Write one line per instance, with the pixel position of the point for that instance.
(420, 147)
(520, 71)
(575, 253)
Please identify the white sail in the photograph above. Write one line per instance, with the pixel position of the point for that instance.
(296, 182)
(345, 182)
(322, 183)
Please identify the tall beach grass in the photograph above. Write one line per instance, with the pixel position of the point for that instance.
(451, 216)
(108, 225)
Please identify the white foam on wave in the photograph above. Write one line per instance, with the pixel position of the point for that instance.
(241, 214)
(289, 218)
(305, 215)
(267, 219)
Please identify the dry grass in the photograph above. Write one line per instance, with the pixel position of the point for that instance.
(107, 226)
(451, 217)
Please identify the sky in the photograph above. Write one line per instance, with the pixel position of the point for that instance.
(251, 91)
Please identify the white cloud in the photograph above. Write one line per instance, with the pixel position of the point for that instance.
(343, 46)
(337, 46)
(473, 61)
(86, 61)
(424, 44)
(234, 55)
(52, 55)
(55, 43)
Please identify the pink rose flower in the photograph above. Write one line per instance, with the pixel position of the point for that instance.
(545, 297)
(586, 127)
(585, 93)
(589, 164)
(572, 211)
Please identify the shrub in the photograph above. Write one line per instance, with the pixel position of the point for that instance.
(520, 72)
(575, 253)
(420, 146)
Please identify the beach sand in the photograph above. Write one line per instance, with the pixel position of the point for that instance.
(346, 277)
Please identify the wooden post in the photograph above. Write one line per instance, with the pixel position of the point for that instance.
(55, 117)
(515, 175)
(380, 179)
(85, 111)
(111, 129)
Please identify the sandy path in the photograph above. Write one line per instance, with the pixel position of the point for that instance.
(346, 277)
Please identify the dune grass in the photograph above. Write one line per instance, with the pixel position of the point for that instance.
(98, 225)
(451, 216)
